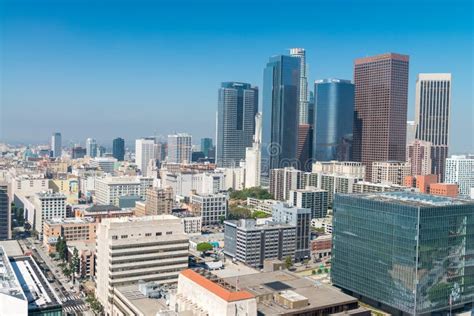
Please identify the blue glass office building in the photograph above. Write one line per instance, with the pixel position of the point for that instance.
(334, 115)
(281, 84)
(118, 149)
(407, 253)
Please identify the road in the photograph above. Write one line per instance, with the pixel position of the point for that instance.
(72, 302)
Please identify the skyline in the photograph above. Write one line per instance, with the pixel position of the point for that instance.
(122, 70)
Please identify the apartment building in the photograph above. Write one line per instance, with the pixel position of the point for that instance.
(159, 201)
(211, 208)
(390, 172)
(48, 205)
(313, 198)
(71, 229)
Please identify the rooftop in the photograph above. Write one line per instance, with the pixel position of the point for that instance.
(69, 220)
(9, 284)
(103, 208)
(414, 199)
(147, 306)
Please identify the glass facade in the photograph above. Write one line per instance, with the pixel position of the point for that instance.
(334, 116)
(118, 149)
(411, 252)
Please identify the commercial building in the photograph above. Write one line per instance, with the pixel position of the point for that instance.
(422, 183)
(281, 96)
(321, 247)
(370, 187)
(419, 269)
(56, 146)
(78, 152)
(109, 190)
(313, 198)
(212, 208)
(303, 85)
(251, 244)
(105, 164)
(207, 147)
(444, 189)
(179, 148)
(150, 248)
(301, 219)
(261, 205)
(282, 181)
(99, 212)
(334, 117)
(411, 131)
(393, 172)
(87, 257)
(5, 212)
(237, 107)
(146, 150)
(71, 229)
(381, 90)
(48, 205)
(12, 299)
(184, 182)
(159, 201)
(324, 224)
(304, 148)
(460, 170)
(432, 115)
(91, 147)
(234, 177)
(253, 158)
(336, 183)
(118, 149)
(356, 169)
(419, 157)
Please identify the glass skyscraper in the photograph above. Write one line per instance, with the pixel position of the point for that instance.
(281, 84)
(334, 116)
(410, 252)
(237, 107)
(118, 149)
(206, 147)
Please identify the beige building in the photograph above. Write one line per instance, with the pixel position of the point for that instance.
(159, 201)
(352, 168)
(48, 205)
(419, 157)
(71, 229)
(86, 252)
(390, 172)
(129, 250)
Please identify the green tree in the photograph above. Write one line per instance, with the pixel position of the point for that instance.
(94, 304)
(204, 247)
(61, 248)
(288, 262)
(256, 192)
(320, 271)
(74, 264)
(260, 214)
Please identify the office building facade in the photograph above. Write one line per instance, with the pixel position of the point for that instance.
(91, 147)
(118, 149)
(179, 148)
(313, 198)
(390, 172)
(303, 85)
(206, 147)
(5, 212)
(460, 170)
(419, 157)
(212, 208)
(145, 151)
(253, 158)
(56, 145)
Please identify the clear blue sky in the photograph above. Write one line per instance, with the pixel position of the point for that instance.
(134, 68)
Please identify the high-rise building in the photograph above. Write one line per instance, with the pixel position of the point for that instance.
(381, 89)
(134, 249)
(56, 146)
(145, 150)
(411, 131)
(390, 172)
(159, 201)
(432, 107)
(334, 117)
(460, 170)
(282, 181)
(408, 253)
(305, 146)
(313, 198)
(48, 205)
(179, 148)
(118, 149)
(253, 156)
(303, 97)
(419, 157)
(91, 147)
(206, 146)
(5, 212)
(212, 208)
(281, 91)
(311, 109)
(237, 107)
(78, 152)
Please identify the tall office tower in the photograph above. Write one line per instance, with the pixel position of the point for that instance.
(134, 249)
(305, 147)
(303, 97)
(460, 170)
(145, 150)
(179, 148)
(381, 89)
(390, 172)
(253, 156)
(78, 152)
(283, 180)
(206, 146)
(118, 149)
(300, 218)
(334, 101)
(419, 157)
(411, 131)
(101, 151)
(237, 107)
(159, 201)
(311, 109)
(407, 253)
(281, 86)
(313, 198)
(5, 213)
(432, 107)
(91, 147)
(56, 146)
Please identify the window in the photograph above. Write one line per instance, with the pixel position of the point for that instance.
(124, 236)
(169, 233)
(148, 234)
(114, 237)
(158, 234)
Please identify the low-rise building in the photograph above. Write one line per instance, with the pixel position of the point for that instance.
(390, 171)
(324, 224)
(99, 212)
(86, 252)
(12, 299)
(261, 205)
(321, 247)
(368, 187)
(70, 229)
(444, 189)
(212, 208)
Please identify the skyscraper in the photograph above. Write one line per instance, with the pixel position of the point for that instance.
(432, 107)
(91, 147)
(281, 85)
(419, 157)
(145, 150)
(253, 156)
(206, 146)
(56, 145)
(460, 170)
(5, 213)
(179, 148)
(381, 89)
(334, 116)
(303, 97)
(411, 131)
(237, 106)
(118, 149)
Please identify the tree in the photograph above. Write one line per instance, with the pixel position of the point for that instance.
(204, 247)
(288, 262)
(74, 264)
(320, 271)
(256, 192)
(260, 214)
(94, 304)
(61, 248)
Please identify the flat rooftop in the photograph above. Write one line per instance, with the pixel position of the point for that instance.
(12, 248)
(69, 220)
(413, 199)
(9, 284)
(147, 306)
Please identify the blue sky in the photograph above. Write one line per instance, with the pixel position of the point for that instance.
(135, 68)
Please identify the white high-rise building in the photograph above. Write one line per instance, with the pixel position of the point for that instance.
(91, 147)
(56, 146)
(48, 205)
(303, 99)
(432, 115)
(179, 148)
(282, 181)
(146, 149)
(253, 156)
(460, 170)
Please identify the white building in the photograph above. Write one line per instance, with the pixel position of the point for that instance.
(106, 164)
(91, 147)
(129, 250)
(12, 299)
(411, 131)
(48, 205)
(347, 168)
(253, 156)
(460, 170)
(313, 198)
(303, 97)
(192, 225)
(323, 223)
(282, 181)
(28, 185)
(179, 148)
(234, 177)
(261, 205)
(146, 149)
(56, 147)
(110, 189)
(183, 183)
(211, 207)
(390, 172)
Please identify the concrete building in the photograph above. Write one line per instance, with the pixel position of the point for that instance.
(109, 190)
(192, 224)
(356, 169)
(381, 91)
(28, 185)
(370, 187)
(253, 156)
(99, 212)
(105, 164)
(313, 198)
(234, 177)
(301, 219)
(444, 189)
(408, 269)
(184, 182)
(5, 212)
(324, 224)
(48, 205)
(251, 244)
(460, 170)
(91, 147)
(261, 205)
(87, 257)
(411, 131)
(150, 248)
(282, 181)
(159, 201)
(419, 157)
(71, 229)
(336, 183)
(393, 172)
(179, 148)
(432, 116)
(321, 247)
(12, 299)
(422, 183)
(146, 149)
(211, 208)
(56, 145)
